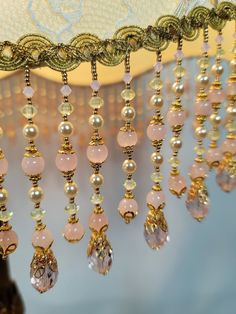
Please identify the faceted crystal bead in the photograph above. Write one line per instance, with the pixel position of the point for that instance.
(65, 108)
(66, 90)
(231, 126)
(220, 52)
(43, 270)
(96, 102)
(5, 215)
(198, 206)
(213, 135)
(72, 209)
(28, 91)
(174, 162)
(29, 111)
(100, 258)
(203, 63)
(205, 47)
(95, 85)
(179, 71)
(128, 94)
(156, 83)
(179, 54)
(38, 213)
(199, 150)
(127, 78)
(96, 199)
(156, 177)
(129, 185)
(226, 181)
(155, 238)
(158, 66)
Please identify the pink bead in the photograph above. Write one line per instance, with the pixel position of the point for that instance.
(231, 89)
(127, 138)
(66, 90)
(202, 108)
(219, 39)
(128, 205)
(95, 85)
(32, 165)
(8, 241)
(216, 96)
(73, 232)
(158, 66)
(156, 132)
(97, 153)
(198, 170)
(213, 155)
(177, 184)
(98, 221)
(179, 54)
(42, 238)
(229, 145)
(66, 162)
(155, 198)
(127, 78)
(205, 47)
(176, 117)
(28, 91)
(3, 166)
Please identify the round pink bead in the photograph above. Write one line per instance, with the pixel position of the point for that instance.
(32, 165)
(176, 117)
(177, 184)
(155, 198)
(202, 108)
(98, 221)
(97, 153)
(198, 170)
(229, 145)
(73, 232)
(231, 89)
(66, 162)
(42, 238)
(213, 155)
(3, 166)
(156, 132)
(127, 138)
(216, 95)
(7, 239)
(128, 205)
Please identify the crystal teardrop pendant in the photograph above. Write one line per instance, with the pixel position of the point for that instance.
(43, 270)
(226, 174)
(100, 254)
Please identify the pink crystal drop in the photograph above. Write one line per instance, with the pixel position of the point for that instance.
(229, 145)
(3, 166)
(100, 259)
(73, 232)
(42, 238)
(127, 138)
(202, 108)
(198, 170)
(177, 184)
(8, 242)
(32, 165)
(197, 208)
(155, 238)
(155, 198)
(28, 91)
(226, 181)
(213, 155)
(97, 153)
(128, 206)
(66, 162)
(216, 95)
(176, 117)
(156, 132)
(231, 89)
(66, 90)
(98, 221)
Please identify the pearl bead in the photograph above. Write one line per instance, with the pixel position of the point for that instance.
(96, 180)
(175, 143)
(30, 131)
(203, 79)
(128, 113)
(201, 132)
(3, 196)
(96, 121)
(156, 158)
(217, 69)
(178, 88)
(156, 101)
(65, 128)
(215, 119)
(36, 194)
(71, 189)
(129, 166)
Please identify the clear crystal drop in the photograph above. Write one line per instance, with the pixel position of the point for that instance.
(156, 237)
(65, 108)
(29, 111)
(198, 205)
(43, 270)
(226, 181)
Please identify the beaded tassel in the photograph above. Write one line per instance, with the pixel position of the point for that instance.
(197, 199)
(175, 117)
(216, 97)
(127, 139)
(66, 162)
(100, 254)
(226, 172)
(44, 271)
(155, 226)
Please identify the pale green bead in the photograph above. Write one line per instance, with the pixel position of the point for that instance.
(156, 83)
(130, 184)
(29, 111)
(220, 52)
(38, 213)
(156, 177)
(213, 135)
(96, 199)
(65, 108)
(128, 94)
(96, 102)
(72, 209)
(179, 71)
(5, 215)
(199, 150)
(203, 63)
(174, 162)
(231, 126)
